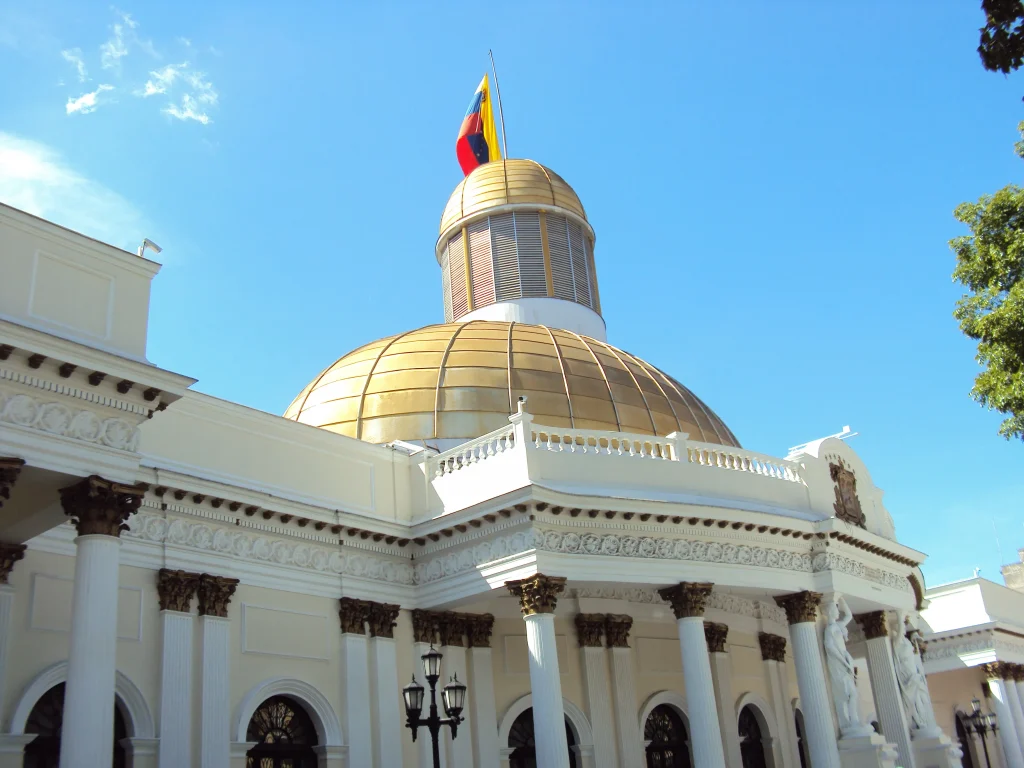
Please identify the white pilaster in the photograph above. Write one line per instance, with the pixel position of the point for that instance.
(176, 690)
(215, 700)
(460, 749)
(546, 687)
(705, 731)
(481, 701)
(778, 689)
(814, 698)
(423, 735)
(721, 676)
(355, 679)
(631, 746)
(6, 606)
(888, 700)
(388, 718)
(89, 696)
(599, 704)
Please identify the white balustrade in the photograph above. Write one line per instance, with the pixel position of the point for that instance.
(600, 443)
(711, 455)
(491, 444)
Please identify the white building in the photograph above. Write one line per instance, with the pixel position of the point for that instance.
(618, 582)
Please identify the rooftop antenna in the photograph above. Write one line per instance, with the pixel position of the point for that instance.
(147, 243)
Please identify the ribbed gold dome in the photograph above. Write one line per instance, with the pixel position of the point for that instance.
(528, 183)
(461, 380)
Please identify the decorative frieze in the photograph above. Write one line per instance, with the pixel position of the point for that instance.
(773, 647)
(9, 555)
(10, 468)
(478, 628)
(382, 619)
(215, 594)
(616, 629)
(688, 599)
(537, 594)
(175, 589)
(800, 607)
(98, 506)
(59, 419)
(353, 614)
(875, 624)
(715, 635)
(589, 628)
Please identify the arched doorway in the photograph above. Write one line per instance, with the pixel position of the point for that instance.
(965, 742)
(801, 740)
(524, 748)
(47, 720)
(284, 734)
(751, 740)
(668, 741)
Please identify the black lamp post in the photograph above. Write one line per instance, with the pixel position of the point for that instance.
(453, 696)
(981, 723)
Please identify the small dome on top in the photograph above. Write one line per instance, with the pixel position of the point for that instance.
(528, 183)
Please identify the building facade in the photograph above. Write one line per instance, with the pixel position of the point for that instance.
(618, 581)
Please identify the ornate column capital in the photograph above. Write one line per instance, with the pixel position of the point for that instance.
(996, 670)
(589, 627)
(688, 598)
(537, 594)
(800, 606)
(176, 589)
(1018, 672)
(424, 626)
(616, 630)
(353, 615)
(9, 555)
(875, 624)
(10, 468)
(773, 647)
(98, 506)
(715, 636)
(478, 628)
(451, 626)
(214, 595)
(382, 619)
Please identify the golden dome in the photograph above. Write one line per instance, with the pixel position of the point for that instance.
(461, 380)
(528, 183)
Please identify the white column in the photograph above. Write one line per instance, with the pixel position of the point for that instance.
(481, 701)
(1007, 727)
(89, 696)
(215, 699)
(599, 701)
(460, 749)
(885, 686)
(546, 687)
(6, 606)
(388, 714)
(176, 690)
(773, 654)
(1018, 713)
(705, 730)
(721, 677)
(631, 746)
(355, 679)
(1018, 686)
(801, 610)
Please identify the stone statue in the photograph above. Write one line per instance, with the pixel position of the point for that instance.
(917, 701)
(841, 670)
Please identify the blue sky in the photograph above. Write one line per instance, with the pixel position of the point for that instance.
(772, 187)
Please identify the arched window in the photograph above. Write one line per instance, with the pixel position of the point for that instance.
(520, 740)
(669, 745)
(284, 735)
(751, 741)
(47, 720)
(965, 742)
(801, 740)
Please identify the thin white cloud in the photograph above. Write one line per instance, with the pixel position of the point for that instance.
(160, 80)
(185, 42)
(73, 56)
(203, 89)
(114, 49)
(87, 102)
(36, 179)
(189, 110)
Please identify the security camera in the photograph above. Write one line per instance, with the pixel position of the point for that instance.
(147, 243)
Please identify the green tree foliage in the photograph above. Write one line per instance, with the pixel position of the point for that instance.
(1002, 37)
(990, 264)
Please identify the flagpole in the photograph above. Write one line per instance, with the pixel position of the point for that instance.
(501, 112)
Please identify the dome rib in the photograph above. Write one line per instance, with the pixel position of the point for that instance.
(647, 405)
(366, 381)
(604, 375)
(441, 371)
(565, 379)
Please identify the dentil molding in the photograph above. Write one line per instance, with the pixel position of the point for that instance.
(60, 419)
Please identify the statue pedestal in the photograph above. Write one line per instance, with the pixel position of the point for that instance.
(935, 751)
(871, 751)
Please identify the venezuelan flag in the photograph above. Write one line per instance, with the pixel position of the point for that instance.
(478, 138)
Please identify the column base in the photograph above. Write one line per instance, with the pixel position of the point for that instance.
(939, 752)
(867, 752)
